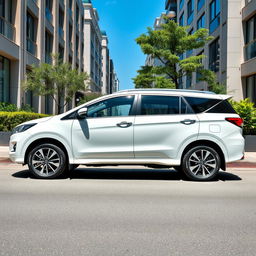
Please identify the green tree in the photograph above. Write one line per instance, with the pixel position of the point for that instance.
(167, 45)
(58, 81)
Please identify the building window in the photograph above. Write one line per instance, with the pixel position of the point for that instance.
(61, 53)
(6, 27)
(181, 4)
(70, 4)
(48, 48)
(200, 4)
(214, 15)
(48, 10)
(201, 22)
(189, 52)
(190, 8)
(198, 75)
(77, 45)
(250, 38)
(4, 79)
(251, 88)
(188, 81)
(61, 23)
(2, 8)
(181, 20)
(214, 56)
(31, 34)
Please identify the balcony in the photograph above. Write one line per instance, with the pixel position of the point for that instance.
(214, 24)
(7, 29)
(31, 46)
(48, 14)
(250, 50)
(48, 58)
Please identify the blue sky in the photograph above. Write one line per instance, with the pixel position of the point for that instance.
(124, 20)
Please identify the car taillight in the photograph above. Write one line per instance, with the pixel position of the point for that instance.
(236, 121)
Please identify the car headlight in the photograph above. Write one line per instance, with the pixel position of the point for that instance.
(22, 128)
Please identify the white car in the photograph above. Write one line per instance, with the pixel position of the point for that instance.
(194, 132)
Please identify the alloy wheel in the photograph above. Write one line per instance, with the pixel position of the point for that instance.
(202, 163)
(46, 161)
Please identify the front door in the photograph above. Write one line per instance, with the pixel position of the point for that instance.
(106, 132)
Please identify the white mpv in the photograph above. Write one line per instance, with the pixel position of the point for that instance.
(194, 132)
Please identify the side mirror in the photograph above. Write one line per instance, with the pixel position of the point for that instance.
(82, 112)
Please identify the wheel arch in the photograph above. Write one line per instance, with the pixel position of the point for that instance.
(210, 144)
(45, 140)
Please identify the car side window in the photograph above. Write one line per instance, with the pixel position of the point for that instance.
(119, 106)
(160, 105)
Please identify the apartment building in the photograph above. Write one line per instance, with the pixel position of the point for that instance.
(248, 67)
(30, 31)
(231, 54)
(105, 64)
(93, 46)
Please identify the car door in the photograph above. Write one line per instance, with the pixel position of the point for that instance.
(107, 131)
(162, 125)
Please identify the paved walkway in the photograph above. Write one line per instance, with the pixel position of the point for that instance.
(248, 162)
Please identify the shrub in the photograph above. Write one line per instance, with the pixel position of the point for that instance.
(8, 107)
(246, 110)
(8, 120)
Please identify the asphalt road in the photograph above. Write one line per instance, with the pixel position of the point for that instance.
(127, 212)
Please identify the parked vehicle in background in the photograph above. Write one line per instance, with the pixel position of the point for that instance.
(194, 132)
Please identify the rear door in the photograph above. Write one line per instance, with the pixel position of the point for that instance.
(162, 125)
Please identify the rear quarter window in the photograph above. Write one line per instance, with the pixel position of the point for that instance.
(223, 107)
(200, 105)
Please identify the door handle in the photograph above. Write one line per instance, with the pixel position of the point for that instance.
(124, 124)
(188, 121)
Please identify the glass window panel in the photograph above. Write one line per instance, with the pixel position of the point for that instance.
(119, 106)
(159, 105)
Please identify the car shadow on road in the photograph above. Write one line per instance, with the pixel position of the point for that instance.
(128, 174)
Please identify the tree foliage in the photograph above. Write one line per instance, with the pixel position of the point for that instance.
(246, 110)
(59, 81)
(168, 46)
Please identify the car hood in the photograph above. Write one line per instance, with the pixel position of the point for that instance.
(37, 121)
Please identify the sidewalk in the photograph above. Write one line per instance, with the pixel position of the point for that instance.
(248, 162)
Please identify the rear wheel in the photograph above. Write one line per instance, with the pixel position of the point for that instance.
(201, 163)
(47, 161)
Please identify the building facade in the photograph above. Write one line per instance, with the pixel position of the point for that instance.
(230, 53)
(30, 31)
(105, 64)
(93, 46)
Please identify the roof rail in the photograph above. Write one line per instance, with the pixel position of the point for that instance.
(168, 90)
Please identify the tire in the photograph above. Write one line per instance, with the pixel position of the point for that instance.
(201, 163)
(47, 161)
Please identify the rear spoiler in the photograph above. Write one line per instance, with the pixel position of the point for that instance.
(225, 97)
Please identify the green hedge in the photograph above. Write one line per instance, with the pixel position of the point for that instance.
(8, 120)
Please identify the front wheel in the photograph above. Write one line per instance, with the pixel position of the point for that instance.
(47, 161)
(201, 163)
